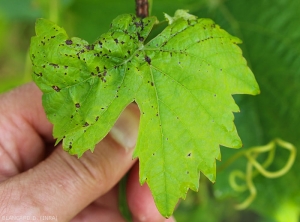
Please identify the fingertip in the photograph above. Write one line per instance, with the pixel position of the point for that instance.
(171, 219)
(140, 200)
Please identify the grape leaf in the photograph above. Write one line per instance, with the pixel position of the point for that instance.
(182, 81)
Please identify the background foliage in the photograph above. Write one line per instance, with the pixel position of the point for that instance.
(270, 32)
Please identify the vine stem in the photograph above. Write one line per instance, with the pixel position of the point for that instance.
(142, 8)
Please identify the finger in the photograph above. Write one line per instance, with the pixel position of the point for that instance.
(140, 200)
(104, 208)
(64, 185)
(23, 129)
(95, 214)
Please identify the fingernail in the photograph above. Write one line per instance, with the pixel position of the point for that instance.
(125, 130)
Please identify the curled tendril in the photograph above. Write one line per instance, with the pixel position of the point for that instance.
(254, 168)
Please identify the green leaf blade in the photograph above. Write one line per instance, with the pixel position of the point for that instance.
(195, 68)
(75, 75)
(182, 81)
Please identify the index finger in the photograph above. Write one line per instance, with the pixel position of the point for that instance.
(24, 129)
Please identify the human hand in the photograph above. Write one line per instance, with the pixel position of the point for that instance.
(38, 180)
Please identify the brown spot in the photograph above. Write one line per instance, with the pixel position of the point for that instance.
(56, 88)
(148, 60)
(54, 65)
(141, 39)
(69, 42)
(77, 105)
(86, 124)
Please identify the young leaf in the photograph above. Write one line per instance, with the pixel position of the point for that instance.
(182, 81)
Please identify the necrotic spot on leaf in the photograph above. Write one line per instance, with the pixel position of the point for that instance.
(190, 154)
(141, 39)
(69, 42)
(148, 60)
(77, 105)
(54, 65)
(56, 88)
(86, 124)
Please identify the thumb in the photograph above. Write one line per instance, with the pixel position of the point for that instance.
(63, 185)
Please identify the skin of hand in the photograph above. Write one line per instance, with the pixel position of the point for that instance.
(38, 179)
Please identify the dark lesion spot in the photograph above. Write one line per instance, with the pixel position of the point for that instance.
(86, 124)
(38, 74)
(148, 60)
(138, 24)
(140, 38)
(69, 42)
(189, 155)
(89, 47)
(77, 105)
(56, 88)
(97, 118)
(54, 65)
(116, 41)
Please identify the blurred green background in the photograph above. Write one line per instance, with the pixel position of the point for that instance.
(270, 30)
